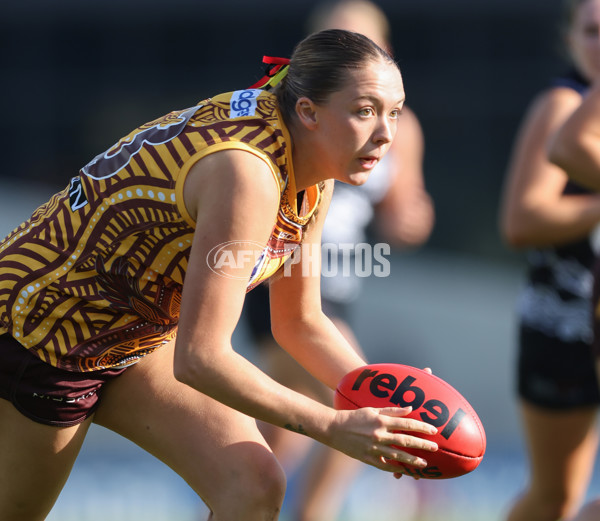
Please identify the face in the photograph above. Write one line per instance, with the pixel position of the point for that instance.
(357, 124)
(584, 39)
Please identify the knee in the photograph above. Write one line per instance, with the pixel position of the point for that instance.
(254, 492)
(266, 488)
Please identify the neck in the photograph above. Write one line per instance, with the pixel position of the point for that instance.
(307, 167)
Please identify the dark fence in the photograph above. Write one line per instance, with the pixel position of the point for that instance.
(76, 76)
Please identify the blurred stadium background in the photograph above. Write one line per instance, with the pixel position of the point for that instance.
(76, 76)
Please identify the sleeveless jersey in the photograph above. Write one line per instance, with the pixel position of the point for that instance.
(93, 279)
(556, 298)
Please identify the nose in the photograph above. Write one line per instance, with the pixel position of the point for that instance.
(384, 132)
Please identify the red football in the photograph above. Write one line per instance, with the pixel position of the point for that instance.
(460, 437)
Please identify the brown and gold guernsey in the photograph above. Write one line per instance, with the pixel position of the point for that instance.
(93, 279)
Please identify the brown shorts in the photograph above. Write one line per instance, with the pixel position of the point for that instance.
(44, 393)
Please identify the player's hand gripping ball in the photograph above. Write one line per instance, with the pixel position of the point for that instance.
(460, 437)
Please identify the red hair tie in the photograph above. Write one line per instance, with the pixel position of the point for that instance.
(274, 73)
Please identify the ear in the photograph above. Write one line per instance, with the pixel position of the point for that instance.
(306, 112)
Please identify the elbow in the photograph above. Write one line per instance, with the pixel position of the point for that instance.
(561, 154)
(200, 369)
(278, 332)
(183, 374)
(514, 240)
(185, 368)
(513, 234)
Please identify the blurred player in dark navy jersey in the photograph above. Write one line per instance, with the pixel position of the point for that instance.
(554, 217)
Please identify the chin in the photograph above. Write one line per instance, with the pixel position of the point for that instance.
(358, 179)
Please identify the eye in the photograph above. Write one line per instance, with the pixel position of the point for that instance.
(366, 111)
(395, 114)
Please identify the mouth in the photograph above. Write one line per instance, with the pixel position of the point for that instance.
(368, 162)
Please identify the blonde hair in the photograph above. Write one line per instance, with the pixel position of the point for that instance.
(324, 15)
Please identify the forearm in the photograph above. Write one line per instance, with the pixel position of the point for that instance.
(234, 381)
(553, 223)
(319, 346)
(576, 145)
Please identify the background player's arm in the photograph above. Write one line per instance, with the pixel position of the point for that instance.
(534, 210)
(576, 146)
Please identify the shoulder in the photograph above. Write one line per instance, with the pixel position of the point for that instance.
(235, 168)
(573, 80)
(236, 174)
(245, 103)
(557, 98)
(550, 108)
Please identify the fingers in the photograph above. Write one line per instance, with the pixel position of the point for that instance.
(395, 437)
(395, 411)
(405, 424)
(394, 455)
(393, 459)
(407, 441)
(387, 438)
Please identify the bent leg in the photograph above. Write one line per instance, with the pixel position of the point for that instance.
(219, 452)
(562, 447)
(35, 462)
(326, 479)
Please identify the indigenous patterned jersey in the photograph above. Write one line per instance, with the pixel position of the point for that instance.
(93, 279)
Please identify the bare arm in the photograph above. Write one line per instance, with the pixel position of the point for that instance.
(233, 185)
(534, 210)
(406, 215)
(226, 196)
(298, 323)
(576, 146)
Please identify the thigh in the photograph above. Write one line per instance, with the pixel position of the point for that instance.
(35, 462)
(213, 447)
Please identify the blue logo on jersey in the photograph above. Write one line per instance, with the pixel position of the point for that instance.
(243, 103)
